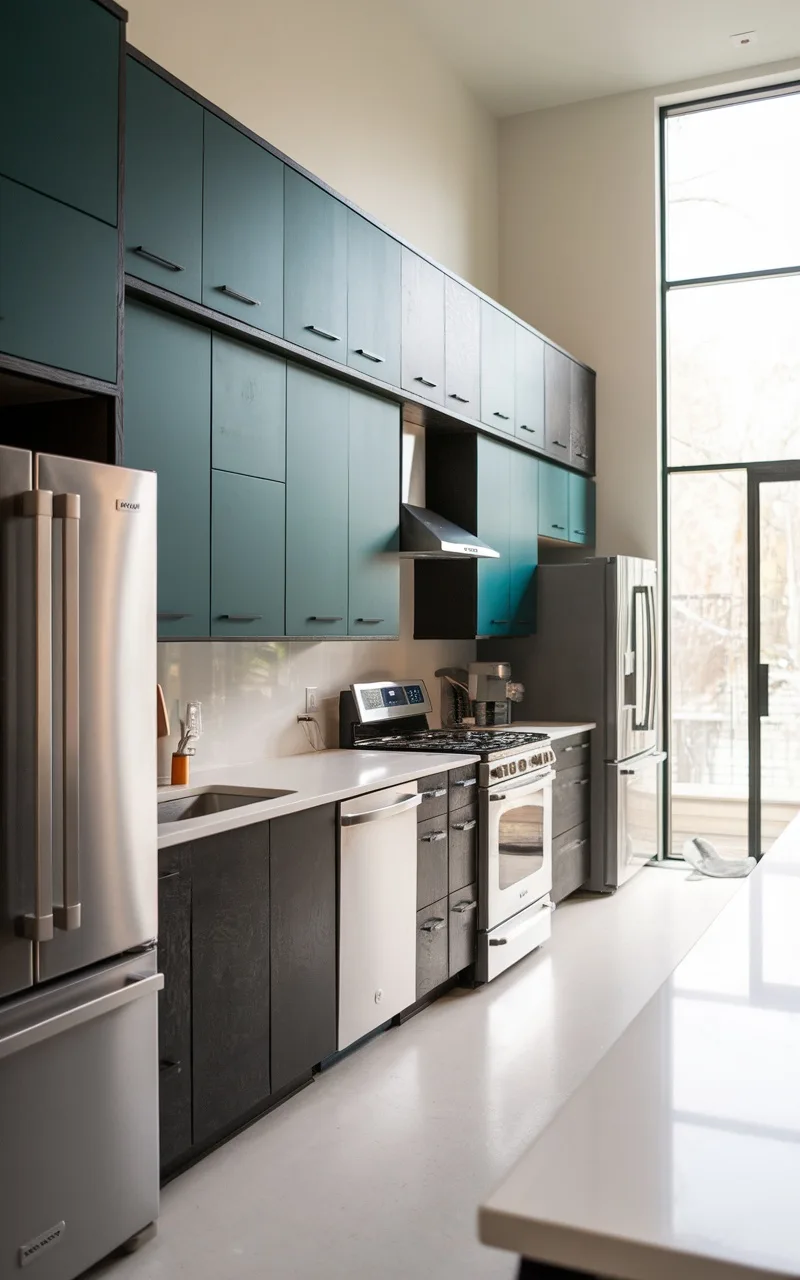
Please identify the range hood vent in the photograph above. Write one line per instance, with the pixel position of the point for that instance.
(424, 535)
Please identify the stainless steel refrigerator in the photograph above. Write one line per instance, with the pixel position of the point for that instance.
(596, 657)
(78, 863)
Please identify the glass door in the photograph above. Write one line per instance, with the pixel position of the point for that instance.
(775, 665)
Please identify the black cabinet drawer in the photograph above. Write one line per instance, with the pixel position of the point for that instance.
(431, 860)
(463, 785)
(462, 928)
(432, 956)
(463, 846)
(174, 1004)
(571, 752)
(434, 796)
(571, 855)
(570, 799)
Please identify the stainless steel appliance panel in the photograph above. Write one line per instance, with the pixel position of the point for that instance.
(633, 789)
(79, 1119)
(18, 766)
(515, 848)
(104, 748)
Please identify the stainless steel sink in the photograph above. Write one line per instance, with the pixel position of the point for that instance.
(204, 801)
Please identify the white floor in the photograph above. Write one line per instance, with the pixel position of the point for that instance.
(377, 1169)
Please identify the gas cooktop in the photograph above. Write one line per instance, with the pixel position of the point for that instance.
(489, 744)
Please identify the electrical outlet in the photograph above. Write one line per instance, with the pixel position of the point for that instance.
(311, 700)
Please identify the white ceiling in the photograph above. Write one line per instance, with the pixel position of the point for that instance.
(517, 55)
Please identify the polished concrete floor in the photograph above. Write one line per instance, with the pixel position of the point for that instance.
(377, 1169)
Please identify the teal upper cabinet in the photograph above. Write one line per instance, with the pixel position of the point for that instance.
(58, 284)
(523, 542)
(462, 348)
(374, 509)
(315, 267)
(373, 300)
(423, 328)
(582, 417)
(167, 430)
(553, 502)
(529, 378)
(163, 183)
(59, 101)
(557, 391)
(317, 542)
(248, 550)
(497, 368)
(242, 227)
(248, 410)
(581, 510)
(494, 527)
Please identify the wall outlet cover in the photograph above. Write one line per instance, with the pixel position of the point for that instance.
(312, 703)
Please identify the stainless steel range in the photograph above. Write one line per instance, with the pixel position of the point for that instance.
(514, 809)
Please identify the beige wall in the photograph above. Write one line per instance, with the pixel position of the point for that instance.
(350, 90)
(579, 243)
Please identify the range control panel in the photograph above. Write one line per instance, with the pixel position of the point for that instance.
(530, 763)
(390, 700)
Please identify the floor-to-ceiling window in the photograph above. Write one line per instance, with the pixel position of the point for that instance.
(732, 477)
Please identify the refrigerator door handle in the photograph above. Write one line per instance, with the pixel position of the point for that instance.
(67, 509)
(37, 505)
(640, 596)
(26, 1037)
(652, 670)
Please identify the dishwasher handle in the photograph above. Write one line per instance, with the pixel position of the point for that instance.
(387, 811)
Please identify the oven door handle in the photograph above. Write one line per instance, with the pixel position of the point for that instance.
(523, 787)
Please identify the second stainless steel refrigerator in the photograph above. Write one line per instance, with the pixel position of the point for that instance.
(596, 657)
(78, 862)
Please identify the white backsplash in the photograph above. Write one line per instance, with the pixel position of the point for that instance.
(252, 692)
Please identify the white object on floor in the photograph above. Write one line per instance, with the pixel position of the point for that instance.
(375, 1170)
(702, 855)
(680, 1154)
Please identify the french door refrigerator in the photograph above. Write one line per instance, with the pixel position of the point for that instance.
(78, 863)
(596, 657)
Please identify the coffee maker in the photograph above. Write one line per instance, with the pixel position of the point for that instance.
(479, 695)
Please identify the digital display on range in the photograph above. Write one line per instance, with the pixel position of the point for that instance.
(394, 696)
(414, 692)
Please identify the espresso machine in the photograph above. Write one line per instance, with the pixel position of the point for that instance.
(480, 694)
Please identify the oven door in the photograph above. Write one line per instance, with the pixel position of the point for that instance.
(516, 848)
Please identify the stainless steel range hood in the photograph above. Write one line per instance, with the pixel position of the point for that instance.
(424, 535)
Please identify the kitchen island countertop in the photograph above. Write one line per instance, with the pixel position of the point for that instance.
(311, 779)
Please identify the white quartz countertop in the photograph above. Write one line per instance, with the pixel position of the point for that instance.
(680, 1154)
(555, 729)
(319, 778)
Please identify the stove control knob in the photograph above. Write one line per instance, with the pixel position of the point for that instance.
(512, 768)
(495, 773)
(522, 766)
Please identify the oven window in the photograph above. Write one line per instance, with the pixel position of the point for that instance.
(521, 843)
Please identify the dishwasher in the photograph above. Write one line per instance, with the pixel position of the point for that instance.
(377, 909)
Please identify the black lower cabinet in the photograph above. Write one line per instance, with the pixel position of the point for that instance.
(462, 928)
(302, 942)
(230, 978)
(432, 959)
(175, 1004)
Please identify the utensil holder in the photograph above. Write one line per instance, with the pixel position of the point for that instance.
(180, 770)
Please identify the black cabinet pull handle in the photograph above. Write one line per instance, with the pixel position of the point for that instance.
(169, 875)
(461, 399)
(434, 925)
(156, 258)
(559, 445)
(370, 622)
(580, 532)
(167, 1067)
(578, 454)
(504, 416)
(466, 782)
(323, 333)
(464, 826)
(461, 907)
(370, 355)
(523, 427)
(321, 619)
(435, 793)
(240, 297)
(240, 617)
(497, 942)
(628, 773)
(496, 797)
(558, 526)
(582, 782)
(172, 617)
(433, 837)
(425, 381)
(500, 622)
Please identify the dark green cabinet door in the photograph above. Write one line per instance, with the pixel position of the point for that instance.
(302, 942)
(242, 227)
(374, 503)
(315, 268)
(582, 417)
(529, 378)
(524, 542)
(248, 410)
(581, 510)
(248, 554)
(462, 348)
(317, 412)
(494, 602)
(423, 328)
(497, 368)
(167, 429)
(59, 101)
(557, 391)
(230, 978)
(163, 183)
(58, 284)
(553, 502)
(373, 300)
